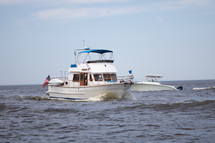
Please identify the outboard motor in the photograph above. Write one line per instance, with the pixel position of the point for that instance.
(180, 88)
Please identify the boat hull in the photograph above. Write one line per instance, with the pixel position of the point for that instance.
(116, 91)
(151, 87)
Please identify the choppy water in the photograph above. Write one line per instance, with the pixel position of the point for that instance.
(27, 115)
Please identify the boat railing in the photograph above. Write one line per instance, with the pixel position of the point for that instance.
(126, 79)
(100, 61)
(61, 78)
(93, 55)
(121, 79)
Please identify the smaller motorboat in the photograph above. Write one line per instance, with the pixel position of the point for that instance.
(151, 84)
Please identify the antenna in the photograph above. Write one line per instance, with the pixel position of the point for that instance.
(83, 43)
(85, 47)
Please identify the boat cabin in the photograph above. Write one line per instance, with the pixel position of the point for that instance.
(90, 72)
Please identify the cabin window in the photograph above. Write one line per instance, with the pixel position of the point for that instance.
(107, 77)
(113, 77)
(98, 77)
(76, 78)
(91, 79)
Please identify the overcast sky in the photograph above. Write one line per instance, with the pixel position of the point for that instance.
(173, 38)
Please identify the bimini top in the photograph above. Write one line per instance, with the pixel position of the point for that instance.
(154, 76)
(99, 51)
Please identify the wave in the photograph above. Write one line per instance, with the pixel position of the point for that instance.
(2, 97)
(22, 97)
(60, 110)
(110, 97)
(101, 97)
(194, 103)
(2, 107)
(187, 105)
(177, 106)
(16, 97)
(38, 98)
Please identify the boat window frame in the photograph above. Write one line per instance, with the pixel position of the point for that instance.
(107, 79)
(90, 77)
(98, 79)
(77, 78)
(113, 78)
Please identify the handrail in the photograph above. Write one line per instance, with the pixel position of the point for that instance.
(100, 61)
(61, 78)
(126, 79)
(100, 52)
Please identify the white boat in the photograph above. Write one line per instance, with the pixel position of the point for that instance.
(151, 84)
(90, 78)
(204, 88)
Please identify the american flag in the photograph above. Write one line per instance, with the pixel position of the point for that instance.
(46, 81)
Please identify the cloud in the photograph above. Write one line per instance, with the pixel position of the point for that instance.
(96, 12)
(177, 5)
(94, 1)
(63, 8)
(12, 2)
(161, 21)
(195, 2)
(81, 13)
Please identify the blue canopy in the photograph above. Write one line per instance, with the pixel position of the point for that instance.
(100, 51)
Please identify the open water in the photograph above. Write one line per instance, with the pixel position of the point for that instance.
(27, 115)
